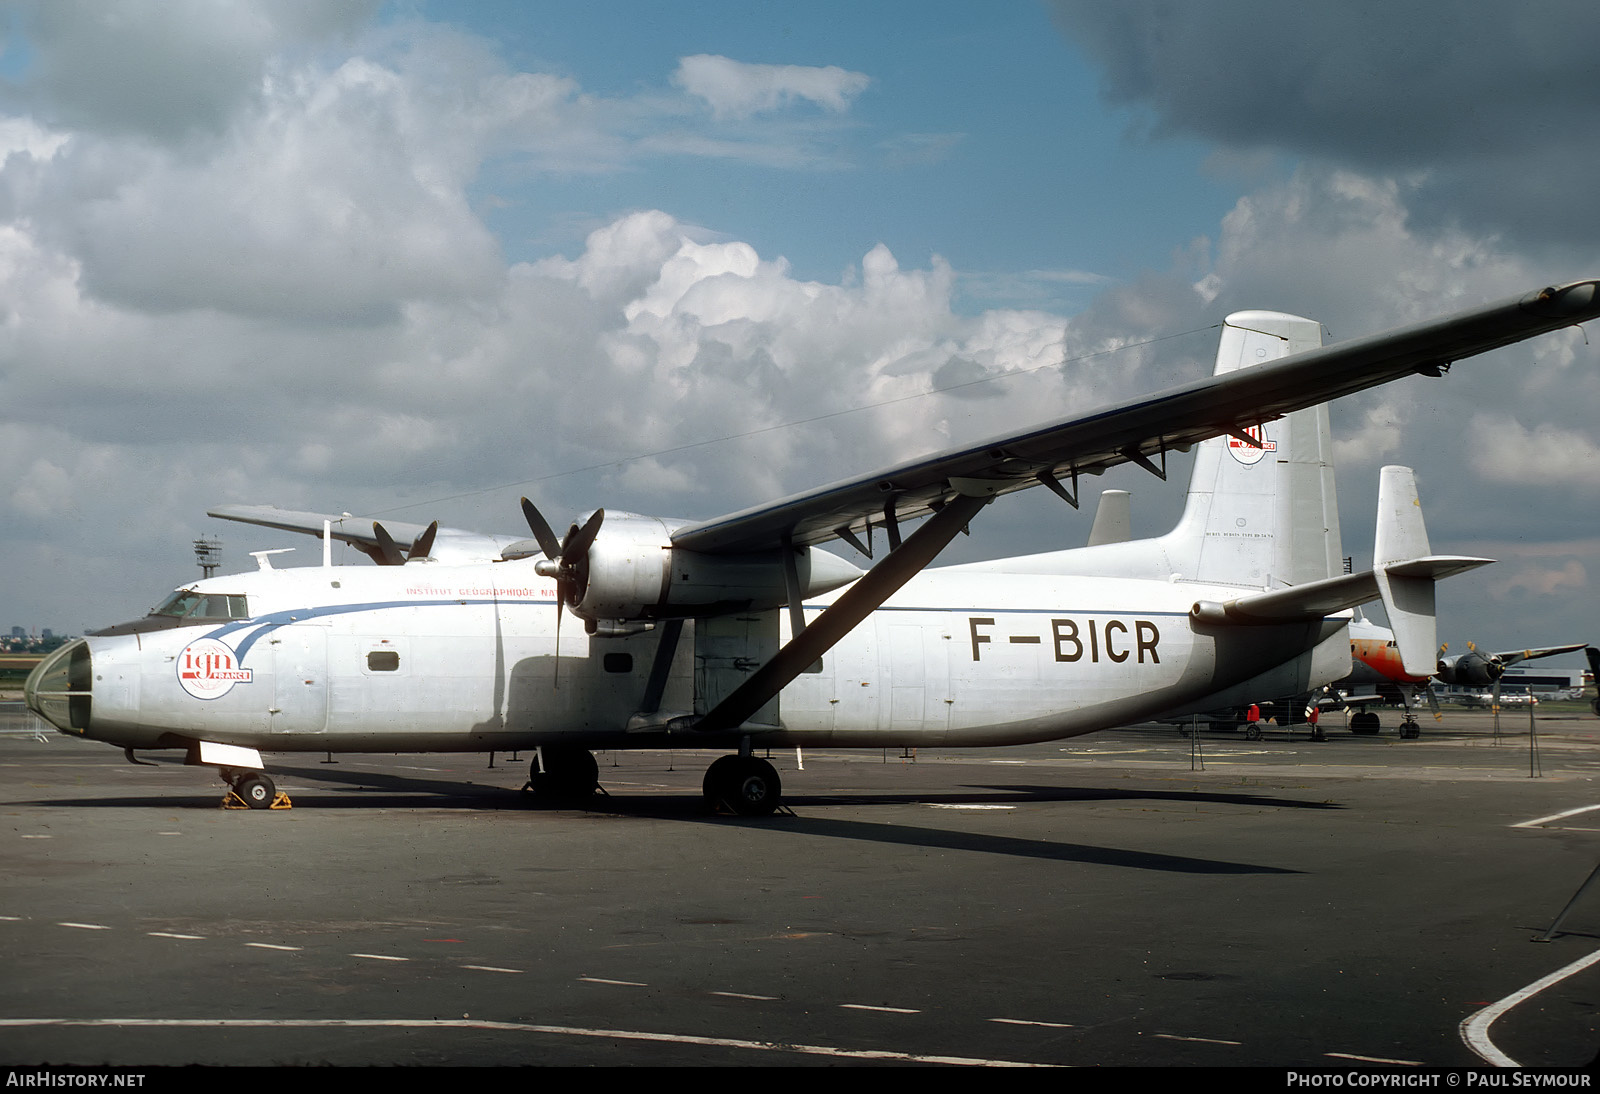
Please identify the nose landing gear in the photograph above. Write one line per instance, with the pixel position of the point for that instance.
(253, 790)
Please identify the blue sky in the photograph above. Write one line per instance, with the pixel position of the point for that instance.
(929, 153)
(420, 258)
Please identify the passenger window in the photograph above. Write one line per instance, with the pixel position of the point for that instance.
(383, 661)
(618, 662)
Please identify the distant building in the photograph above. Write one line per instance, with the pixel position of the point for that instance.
(1544, 682)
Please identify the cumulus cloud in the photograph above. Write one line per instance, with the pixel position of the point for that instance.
(165, 69)
(737, 89)
(1504, 451)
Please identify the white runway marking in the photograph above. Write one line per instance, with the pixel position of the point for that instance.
(743, 995)
(1027, 1022)
(974, 805)
(270, 946)
(85, 926)
(489, 968)
(1541, 821)
(170, 934)
(380, 957)
(1475, 1028)
(1373, 1059)
(885, 1010)
(619, 983)
(1198, 1040)
(508, 1027)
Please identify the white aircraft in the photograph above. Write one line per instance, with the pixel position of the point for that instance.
(685, 641)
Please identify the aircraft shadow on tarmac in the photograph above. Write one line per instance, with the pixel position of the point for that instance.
(363, 789)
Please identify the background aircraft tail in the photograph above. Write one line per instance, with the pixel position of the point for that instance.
(1261, 512)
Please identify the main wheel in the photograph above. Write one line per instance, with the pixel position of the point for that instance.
(256, 791)
(1364, 722)
(745, 785)
(567, 773)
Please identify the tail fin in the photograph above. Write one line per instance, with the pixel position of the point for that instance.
(1261, 513)
(1399, 552)
(1262, 517)
(1402, 577)
(1113, 521)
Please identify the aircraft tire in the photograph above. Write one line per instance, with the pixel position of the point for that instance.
(568, 773)
(1410, 731)
(256, 791)
(745, 785)
(1364, 722)
(1252, 731)
(1597, 706)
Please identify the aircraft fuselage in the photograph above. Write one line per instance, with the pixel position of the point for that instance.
(464, 658)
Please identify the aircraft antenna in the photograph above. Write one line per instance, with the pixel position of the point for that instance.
(208, 554)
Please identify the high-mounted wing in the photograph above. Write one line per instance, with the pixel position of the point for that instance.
(1479, 670)
(1138, 430)
(388, 543)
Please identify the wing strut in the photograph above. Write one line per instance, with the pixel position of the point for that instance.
(855, 604)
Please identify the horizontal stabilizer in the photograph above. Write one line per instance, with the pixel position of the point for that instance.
(1317, 599)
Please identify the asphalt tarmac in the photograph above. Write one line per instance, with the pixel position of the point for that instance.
(1127, 898)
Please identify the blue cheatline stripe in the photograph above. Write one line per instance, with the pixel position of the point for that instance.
(264, 624)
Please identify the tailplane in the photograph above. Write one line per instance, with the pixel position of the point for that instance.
(1403, 575)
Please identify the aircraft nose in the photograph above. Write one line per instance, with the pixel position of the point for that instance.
(59, 689)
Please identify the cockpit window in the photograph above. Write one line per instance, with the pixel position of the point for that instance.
(190, 604)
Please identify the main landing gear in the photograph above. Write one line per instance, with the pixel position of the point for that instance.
(1364, 723)
(747, 786)
(743, 785)
(563, 774)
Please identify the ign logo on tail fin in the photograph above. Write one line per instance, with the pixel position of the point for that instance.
(1246, 453)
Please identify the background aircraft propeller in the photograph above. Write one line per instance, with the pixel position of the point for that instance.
(389, 553)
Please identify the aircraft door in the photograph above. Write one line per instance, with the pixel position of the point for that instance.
(919, 675)
(300, 678)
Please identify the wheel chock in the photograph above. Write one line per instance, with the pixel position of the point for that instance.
(232, 800)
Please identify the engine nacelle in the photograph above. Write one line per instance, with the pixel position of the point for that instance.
(1470, 670)
(633, 572)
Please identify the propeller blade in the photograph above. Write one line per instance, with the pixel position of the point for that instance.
(541, 531)
(422, 546)
(580, 539)
(387, 547)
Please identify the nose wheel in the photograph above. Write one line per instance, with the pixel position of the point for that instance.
(253, 790)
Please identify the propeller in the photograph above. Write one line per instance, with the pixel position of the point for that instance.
(566, 560)
(388, 552)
